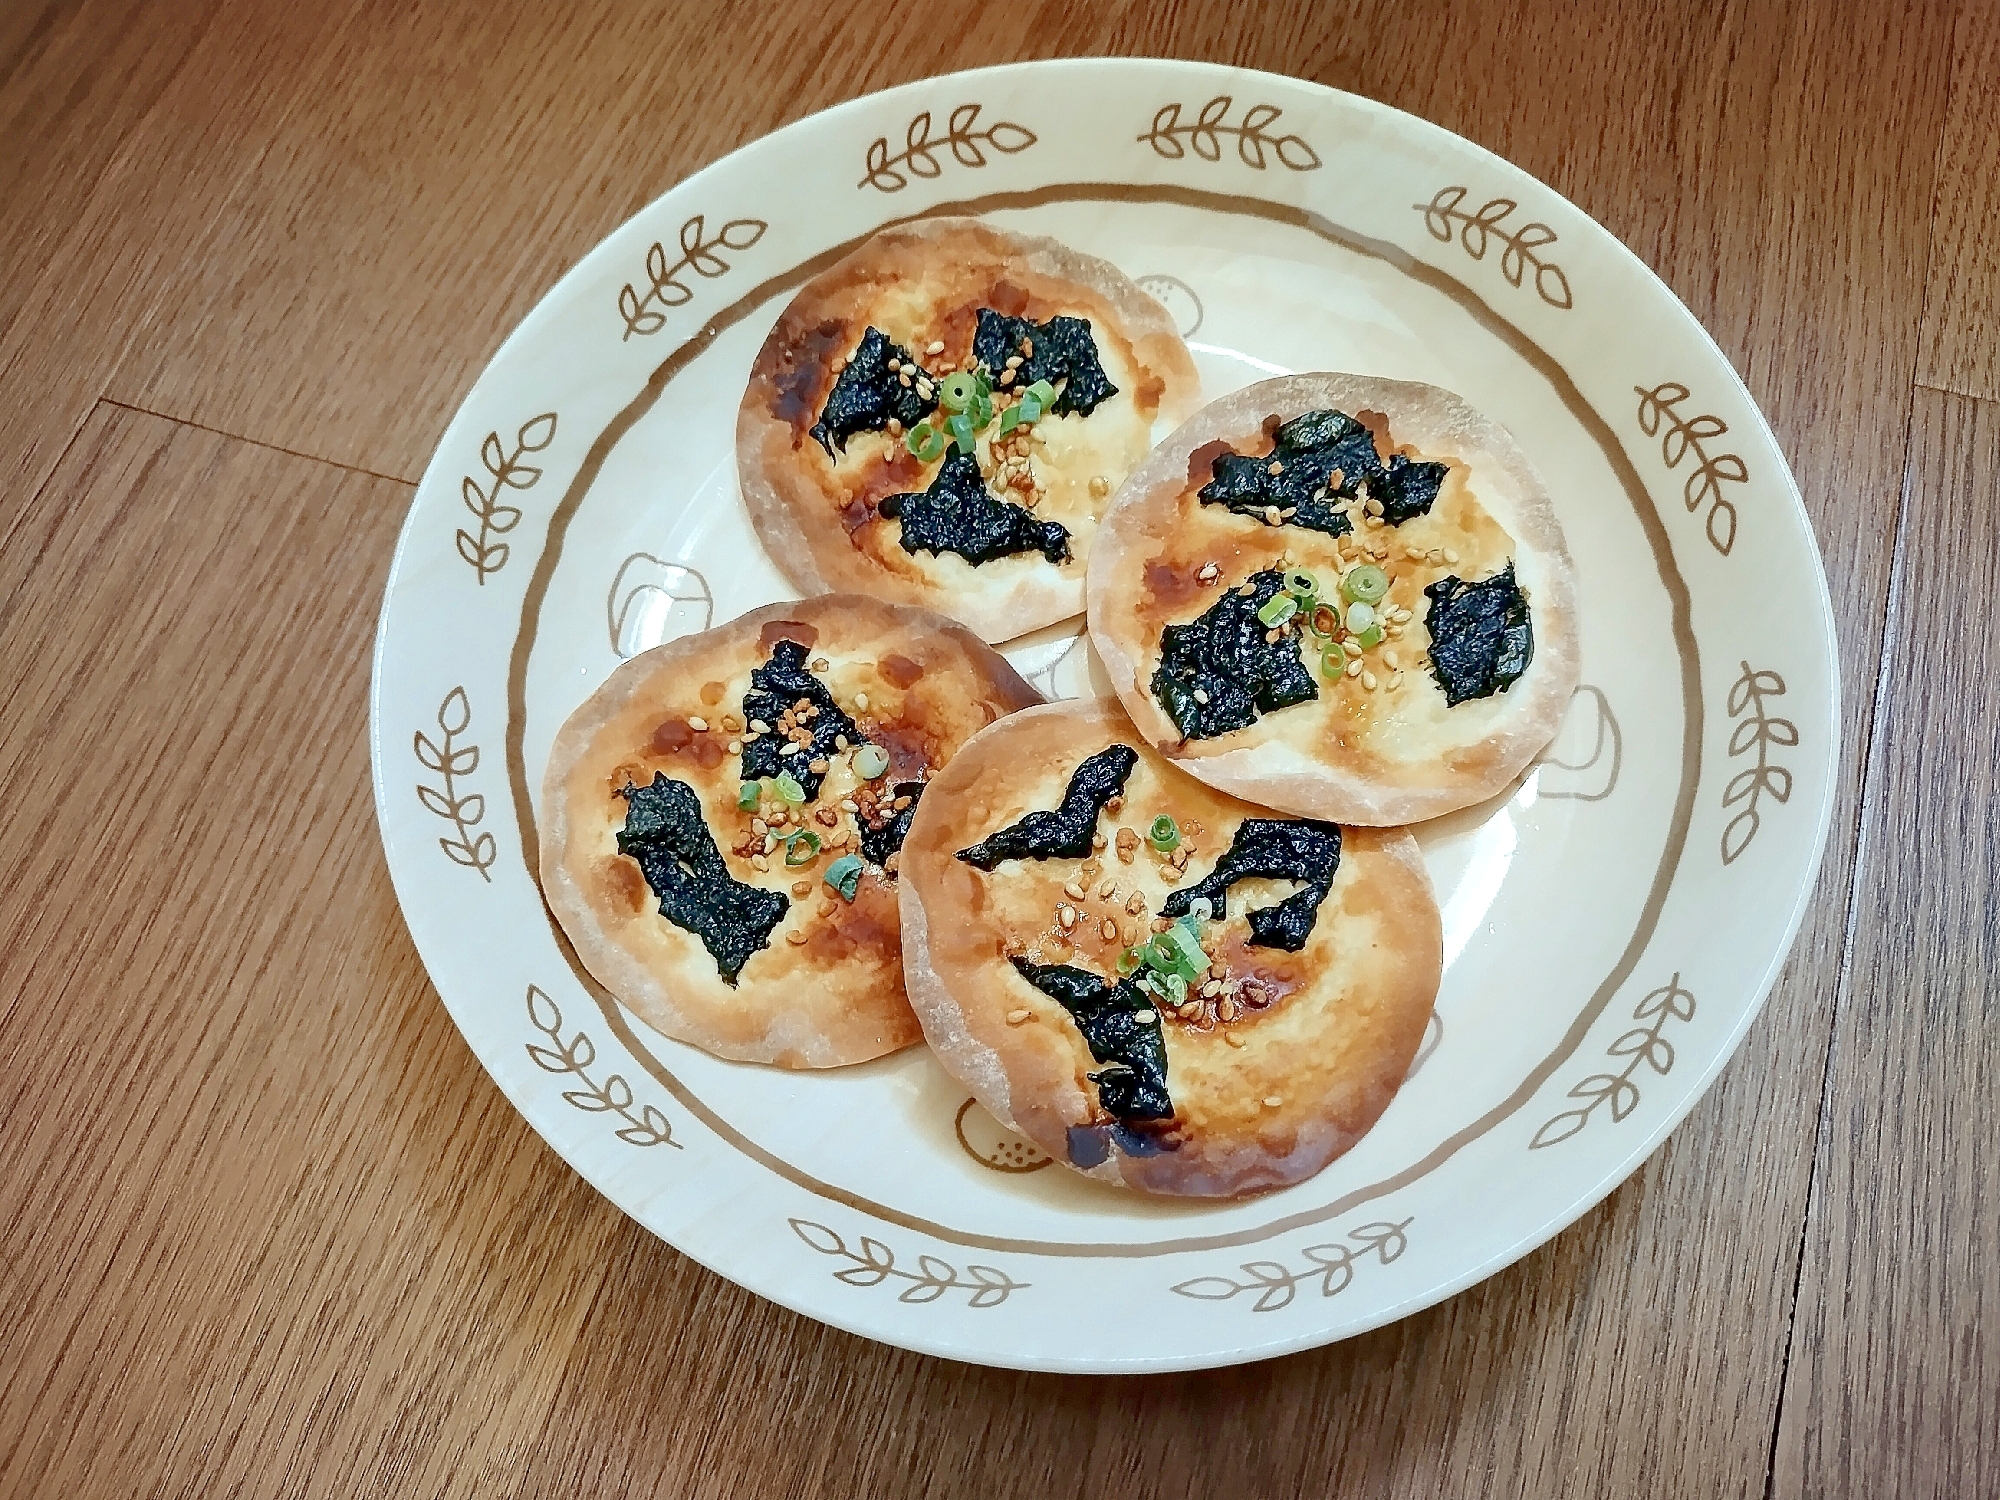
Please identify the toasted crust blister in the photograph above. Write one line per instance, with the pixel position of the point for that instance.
(1317, 1065)
(837, 997)
(923, 283)
(1384, 756)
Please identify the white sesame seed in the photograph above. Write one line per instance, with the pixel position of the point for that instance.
(936, 347)
(1146, 1017)
(1019, 1017)
(1066, 917)
(1354, 667)
(758, 862)
(1232, 1038)
(1107, 891)
(849, 805)
(1389, 660)
(1368, 680)
(1073, 891)
(736, 747)
(1201, 695)
(861, 702)
(758, 726)
(1272, 1101)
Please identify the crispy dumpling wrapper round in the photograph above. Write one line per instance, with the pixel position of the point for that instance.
(1441, 499)
(762, 964)
(817, 455)
(1312, 992)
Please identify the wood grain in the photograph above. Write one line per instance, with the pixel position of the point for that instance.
(1895, 1387)
(263, 1216)
(1961, 351)
(264, 1226)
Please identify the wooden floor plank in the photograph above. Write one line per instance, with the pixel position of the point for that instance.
(1961, 342)
(1895, 1386)
(263, 1221)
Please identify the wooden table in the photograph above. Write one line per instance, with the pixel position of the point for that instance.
(265, 1227)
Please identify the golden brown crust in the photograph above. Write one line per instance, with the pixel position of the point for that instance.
(1318, 1064)
(1394, 754)
(917, 684)
(920, 283)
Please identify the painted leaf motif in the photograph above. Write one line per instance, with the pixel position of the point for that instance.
(818, 1236)
(1208, 1288)
(455, 713)
(547, 1061)
(741, 234)
(538, 432)
(428, 754)
(543, 1011)
(1561, 1128)
(1009, 138)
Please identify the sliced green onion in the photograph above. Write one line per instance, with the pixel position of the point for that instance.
(1360, 617)
(1365, 584)
(747, 795)
(1301, 583)
(870, 761)
(982, 410)
(1201, 909)
(1321, 619)
(788, 789)
(1160, 952)
(1278, 609)
(961, 431)
(1044, 394)
(1370, 638)
(802, 848)
(1188, 941)
(1029, 408)
(1129, 961)
(1010, 418)
(924, 441)
(843, 876)
(956, 391)
(1177, 988)
(1164, 834)
(1333, 661)
(982, 378)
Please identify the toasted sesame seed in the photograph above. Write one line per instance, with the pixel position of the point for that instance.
(1272, 1101)
(895, 427)
(1137, 905)
(1099, 486)
(1394, 632)
(1227, 1008)
(1146, 1017)
(1109, 930)
(849, 805)
(1232, 1038)
(1396, 681)
(699, 726)
(895, 364)
(826, 907)
(936, 346)
(819, 664)
(796, 938)
(1247, 590)
(770, 843)
(1065, 917)
(1019, 1017)
(735, 747)
(904, 381)
(1368, 680)
(1208, 573)
(1354, 667)
(1014, 361)
(758, 726)
(1107, 891)
(1211, 989)
(758, 862)
(926, 389)
(1097, 841)
(1161, 924)
(1129, 934)
(817, 767)
(759, 827)
(1073, 891)
(861, 702)
(792, 747)
(1413, 554)
(1450, 556)
(1270, 516)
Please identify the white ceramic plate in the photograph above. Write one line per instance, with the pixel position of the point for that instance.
(1611, 926)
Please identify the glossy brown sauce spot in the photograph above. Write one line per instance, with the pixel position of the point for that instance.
(1168, 585)
(1377, 424)
(775, 631)
(672, 737)
(1147, 396)
(804, 374)
(711, 692)
(708, 752)
(899, 670)
(1271, 425)
(910, 748)
(1005, 297)
(871, 924)
(1201, 462)
(628, 884)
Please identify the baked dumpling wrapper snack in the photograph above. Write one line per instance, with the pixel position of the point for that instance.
(687, 881)
(1030, 876)
(854, 379)
(1453, 675)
